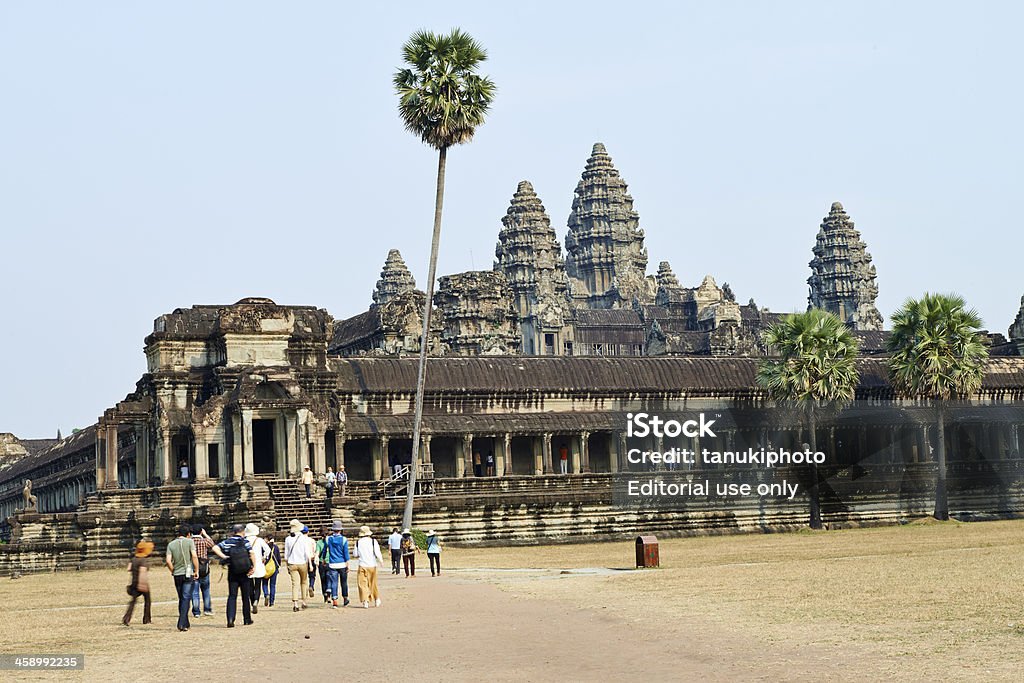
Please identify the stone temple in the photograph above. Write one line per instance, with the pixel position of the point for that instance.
(549, 349)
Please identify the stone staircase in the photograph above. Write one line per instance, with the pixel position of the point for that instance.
(290, 502)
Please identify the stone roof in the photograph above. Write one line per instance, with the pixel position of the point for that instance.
(607, 317)
(83, 438)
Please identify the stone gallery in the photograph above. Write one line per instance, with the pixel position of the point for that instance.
(543, 355)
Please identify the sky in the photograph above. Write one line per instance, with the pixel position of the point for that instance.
(154, 156)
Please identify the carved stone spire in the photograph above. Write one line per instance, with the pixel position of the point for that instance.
(606, 257)
(665, 277)
(1016, 331)
(529, 256)
(395, 279)
(842, 278)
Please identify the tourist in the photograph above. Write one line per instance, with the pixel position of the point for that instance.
(270, 580)
(203, 544)
(307, 481)
(342, 480)
(261, 553)
(434, 552)
(330, 480)
(368, 552)
(409, 550)
(321, 558)
(476, 464)
(336, 558)
(139, 584)
(314, 561)
(490, 463)
(183, 469)
(296, 555)
(240, 559)
(395, 546)
(563, 458)
(183, 564)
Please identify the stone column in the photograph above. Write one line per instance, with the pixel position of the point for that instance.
(618, 456)
(292, 464)
(166, 457)
(464, 465)
(659, 446)
(425, 439)
(141, 456)
(548, 467)
(585, 451)
(339, 447)
(236, 448)
(202, 456)
(101, 456)
(111, 457)
(862, 445)
(320, 452)
(506, 452)
(382, 464)
(247, 464)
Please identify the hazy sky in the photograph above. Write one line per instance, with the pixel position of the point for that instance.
(159, 155)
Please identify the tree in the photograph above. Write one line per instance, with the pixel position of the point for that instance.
(936, 355)
(442, 100)
(816, 366)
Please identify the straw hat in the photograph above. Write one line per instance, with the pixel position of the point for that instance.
(143, 549)
(406, 532)
(337, 526)
(295, 526)
(251, 530)
(431, 533)
(365, 531)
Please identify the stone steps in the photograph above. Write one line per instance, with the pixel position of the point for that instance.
(290, 502)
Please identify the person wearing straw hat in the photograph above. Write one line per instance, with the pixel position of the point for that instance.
(409, 551)
(337, 557)
(261, 553)
(296, 556)
(434, 552)
(139, 585)
(368, 552)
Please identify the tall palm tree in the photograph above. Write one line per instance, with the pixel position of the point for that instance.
(442, 100)
(815, 366)
(936, 355)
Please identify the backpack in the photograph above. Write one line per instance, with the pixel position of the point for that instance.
(239, 561)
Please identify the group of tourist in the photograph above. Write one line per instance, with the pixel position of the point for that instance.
(253, 563)
(332, 480)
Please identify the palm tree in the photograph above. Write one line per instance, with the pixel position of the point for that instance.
(442, 100)
(936, 355)
(815, 366)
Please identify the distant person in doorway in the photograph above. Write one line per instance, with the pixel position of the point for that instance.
(476, 464)
(183, 564)
(307, 481)
(395, 546)
(409, 551)
(563, 458)
(490, 463)
(139, 584)
(434, 552)
(183, 469)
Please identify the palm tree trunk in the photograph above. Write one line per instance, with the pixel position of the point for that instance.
(421, 374)
(941, 502)
(815, 502)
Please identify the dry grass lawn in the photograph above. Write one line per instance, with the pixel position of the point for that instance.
(917, 602)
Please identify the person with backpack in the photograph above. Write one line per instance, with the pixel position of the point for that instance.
(409, 550)
(240, 558)
(183, 564)
(261, 553)
(368, 552)
(336, 559)
(296, 555)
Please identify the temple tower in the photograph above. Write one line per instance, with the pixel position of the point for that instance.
(529, 256)
(842, 278)
(1016, 331)
(395, 279)
(606, 259)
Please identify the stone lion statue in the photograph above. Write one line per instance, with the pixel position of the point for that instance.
(26, 493)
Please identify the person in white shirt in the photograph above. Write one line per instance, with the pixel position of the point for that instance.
(330, 479)
(307, 481)
(262, 554)
(297, 557)
(395, 546)
(368, 552)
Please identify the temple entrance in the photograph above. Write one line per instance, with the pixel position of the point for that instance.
(599, 450)
(359, 459)
(484, 446)
(521, 452)
(443, 453)
(263, 460)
